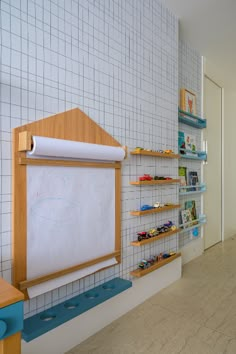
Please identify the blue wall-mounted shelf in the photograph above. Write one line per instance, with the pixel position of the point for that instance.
(188, 226)
(189, 154)
(192, 120)
(199, 188)
(47, 320)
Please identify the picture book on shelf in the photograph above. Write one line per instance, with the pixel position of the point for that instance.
(181, 142)
(183, 176)
(191, 206)
(186, 218)
(190, 144)
(193, 180)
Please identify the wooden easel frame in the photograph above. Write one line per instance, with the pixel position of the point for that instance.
(71, 125)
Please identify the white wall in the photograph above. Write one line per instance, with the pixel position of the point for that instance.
(118, 62)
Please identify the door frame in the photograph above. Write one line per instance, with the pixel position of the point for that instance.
(206, 76)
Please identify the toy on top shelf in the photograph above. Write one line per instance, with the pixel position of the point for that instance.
(145, 177)
(146, 207)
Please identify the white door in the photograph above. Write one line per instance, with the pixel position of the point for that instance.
(213, 169)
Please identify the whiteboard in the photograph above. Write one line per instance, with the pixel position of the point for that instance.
(70, 216)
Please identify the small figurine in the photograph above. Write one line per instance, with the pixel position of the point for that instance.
(159, 257)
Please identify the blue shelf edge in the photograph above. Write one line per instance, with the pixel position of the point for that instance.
(195, 189)
(191, 119)
(201, 157)
(187, 121)
(201, 221)
(51, 318)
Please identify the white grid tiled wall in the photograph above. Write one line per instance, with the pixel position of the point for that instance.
(190, 73)
(118, 62)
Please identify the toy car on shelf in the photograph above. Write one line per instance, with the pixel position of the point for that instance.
(153, 232)
(168, 151)
(138, 149)
(145, 177)
(158, 205)
(144, 264)
(146, 207)
(143, 235)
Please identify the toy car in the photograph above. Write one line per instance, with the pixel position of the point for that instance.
(168, 151)
(151, 260)
(144, 264)
(146, 207)
(157, 205)
(168, 224)
(138, 148)
(161, 229)
(142, 235)
(153, 232)
(172, 253)
(145, 177)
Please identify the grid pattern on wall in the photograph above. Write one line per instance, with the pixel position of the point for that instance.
(118, 62)
(190, 73)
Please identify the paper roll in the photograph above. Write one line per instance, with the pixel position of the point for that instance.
(50, 147)
(69, 278)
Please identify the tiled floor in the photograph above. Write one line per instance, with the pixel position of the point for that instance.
(196, 315)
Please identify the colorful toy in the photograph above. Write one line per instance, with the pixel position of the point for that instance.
(145, 177)
(153, 232)
(146, 207)
(142, 235)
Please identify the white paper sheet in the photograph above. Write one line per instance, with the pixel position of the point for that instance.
(70, 220)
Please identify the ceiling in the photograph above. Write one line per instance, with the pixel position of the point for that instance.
(210, 27)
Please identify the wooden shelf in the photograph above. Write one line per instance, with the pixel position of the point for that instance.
(162, 181)
(155, 153)
(155, 210)
(155, 238)
(141, 272)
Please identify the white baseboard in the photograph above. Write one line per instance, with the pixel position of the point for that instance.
(192, 250)
(68, 335)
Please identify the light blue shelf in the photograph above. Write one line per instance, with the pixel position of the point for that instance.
(200, 188)
(191, 120)
(200, 222)
(200, 155)
(47, 320)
